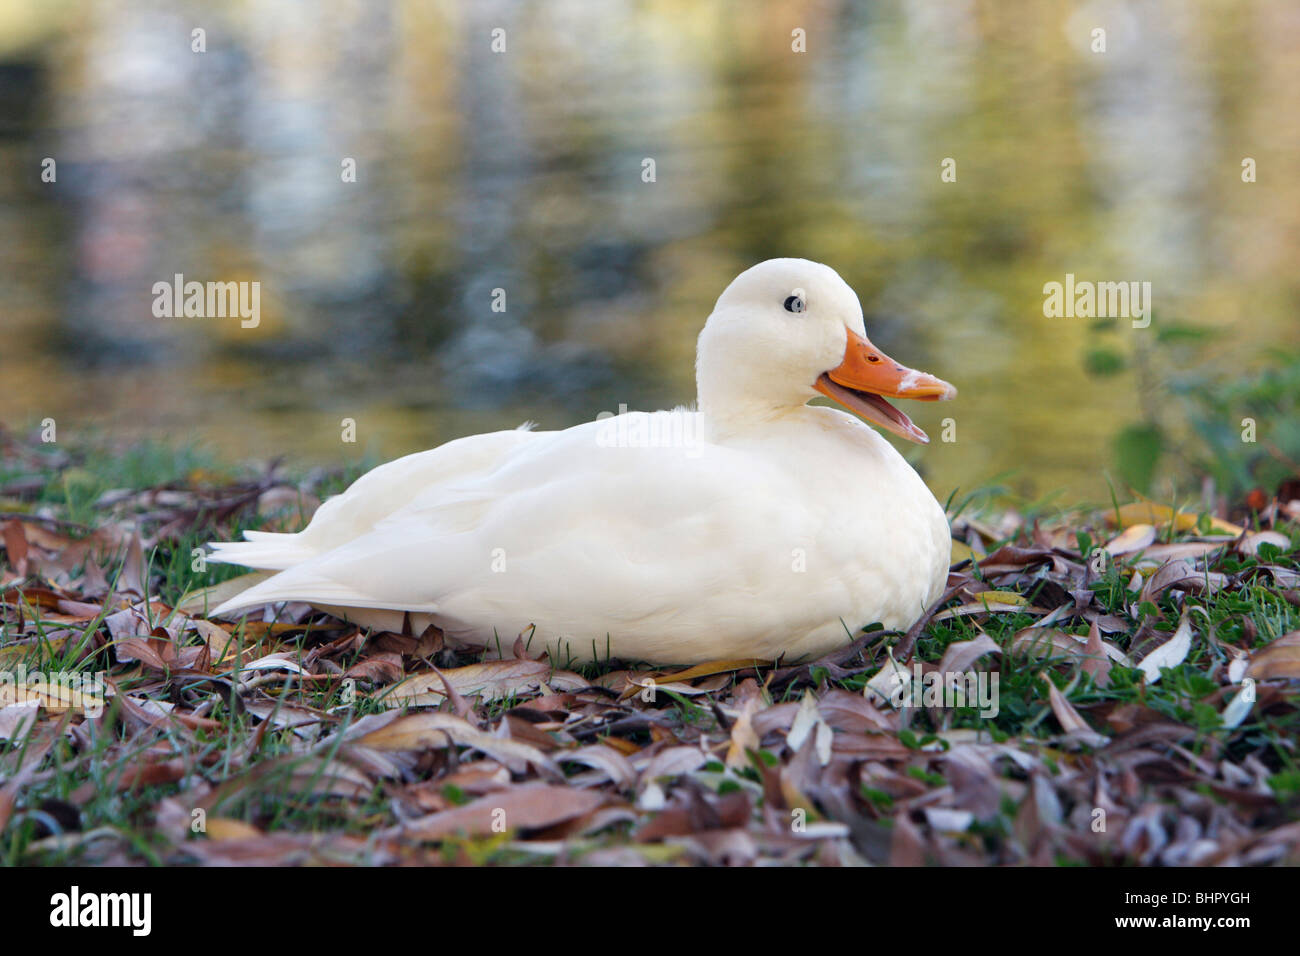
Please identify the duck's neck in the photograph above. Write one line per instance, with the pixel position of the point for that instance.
(727, 415)
(733, 409)
(735, 396)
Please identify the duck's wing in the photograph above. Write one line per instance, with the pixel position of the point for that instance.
(568, 532)
(372, 498)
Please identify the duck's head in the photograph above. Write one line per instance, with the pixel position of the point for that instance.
(786, 330)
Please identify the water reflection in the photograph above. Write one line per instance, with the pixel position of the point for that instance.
(522, 171)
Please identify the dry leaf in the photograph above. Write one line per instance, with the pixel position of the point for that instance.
(226, 828)
(709, 668)
(960, 655)
(1148, 512)
(743, 738)
(1169, 654)
(1280, 659)
(1133, 538)
(490, 680)
(1069, 718)
(427, 730)
(528, 807)
(1250, 543)
(1097, 657)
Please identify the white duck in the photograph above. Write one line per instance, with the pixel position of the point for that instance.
(756, 527)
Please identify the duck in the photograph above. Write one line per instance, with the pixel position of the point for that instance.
(753, 526)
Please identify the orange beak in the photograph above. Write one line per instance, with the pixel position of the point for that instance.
(868, 376)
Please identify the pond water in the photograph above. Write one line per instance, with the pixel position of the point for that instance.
(524, 170)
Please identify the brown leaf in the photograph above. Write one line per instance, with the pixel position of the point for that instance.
(851, 713)
(907, 847)
(490, 680)
(15, 542)
(148, 773)
(1280, 659)
(1181, 573)
(605, 759)
(150, 652)
(32, 758)
(693, 811)
(959, 655)
(1096, 657)
(1069, 718)
(672, 762)
(709, 668)
(134, 574)
(17, 720)
(378, 668)
(33, 597)
(528, 807)
(428, 730)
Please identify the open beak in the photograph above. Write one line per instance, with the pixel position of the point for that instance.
(868, 376)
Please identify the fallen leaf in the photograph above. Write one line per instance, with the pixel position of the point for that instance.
(1148, 512)
(1181, 573)
(1239, 707)
(1169, 654)
(709, 668)
(15, 542)
(490, 680)
(743, 738)
(959, 655)
(382, 667)
(427, 730)
(889, 685)
(1250, 543)
(1158, 554)
(1280, 659)
(528, 807)
(808, 722)
(605, 759)
(226, 828)
(1069, 718)
(670, 763)
(1133, 538)
(1047, 641)
(17, 719)
(1096, 657)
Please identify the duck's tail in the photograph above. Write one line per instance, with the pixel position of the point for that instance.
(306, 584)
(285, 586)
(264, 550)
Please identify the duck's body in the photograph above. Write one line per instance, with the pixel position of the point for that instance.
(670, 537)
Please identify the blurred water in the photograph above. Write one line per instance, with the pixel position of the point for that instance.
(522, 171)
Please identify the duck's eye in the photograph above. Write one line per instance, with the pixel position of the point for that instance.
(794, 304)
